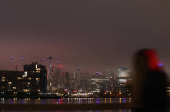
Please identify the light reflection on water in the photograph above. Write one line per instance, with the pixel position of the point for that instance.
(69, 101)
(120, 110)
(66, 101)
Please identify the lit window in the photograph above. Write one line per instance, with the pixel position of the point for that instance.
(29, 78)
(28, 82)
(36, 66)
(3, 79)
(9, 82)
(14, 87)
(38, 69)
(9, 89)
(25, 74)
(37, 78)
(25, 90)
(167, 87)
(168, 91)
(38, 90)
(18, 78)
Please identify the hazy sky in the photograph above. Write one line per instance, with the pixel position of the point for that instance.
(91, 34)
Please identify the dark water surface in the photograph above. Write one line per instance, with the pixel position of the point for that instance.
(69, 101)
(66, 101)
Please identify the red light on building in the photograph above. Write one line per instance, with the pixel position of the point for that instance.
(75, 91)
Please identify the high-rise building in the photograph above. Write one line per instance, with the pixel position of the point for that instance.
(123, 76)
(64, 80)
(85, 82)
(38, 73)
(72, 84)
(96, 85)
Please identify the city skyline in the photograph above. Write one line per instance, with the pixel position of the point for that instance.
(92, 35)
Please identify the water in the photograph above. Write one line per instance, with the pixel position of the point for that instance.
(66, 101)
(69, 101)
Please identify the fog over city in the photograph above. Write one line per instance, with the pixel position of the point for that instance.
(95, 35)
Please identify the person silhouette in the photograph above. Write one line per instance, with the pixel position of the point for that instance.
(149, 82)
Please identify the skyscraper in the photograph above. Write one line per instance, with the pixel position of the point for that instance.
(64, 80)
(123, 76)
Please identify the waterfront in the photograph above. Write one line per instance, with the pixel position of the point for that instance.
(66, 101)
(69, 101)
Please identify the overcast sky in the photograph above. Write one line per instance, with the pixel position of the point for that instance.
(91, 34)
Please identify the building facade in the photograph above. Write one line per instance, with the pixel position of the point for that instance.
(38, 73)
(64, 80)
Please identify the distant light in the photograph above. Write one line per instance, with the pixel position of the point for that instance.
(11, 57)
(58, 62)
(78, 68)
(160, 64)
(22, 58)
(42, 59)
(97, 72)
(122, 80)
(61, 66)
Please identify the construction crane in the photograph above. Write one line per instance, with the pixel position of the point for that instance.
(16, 68)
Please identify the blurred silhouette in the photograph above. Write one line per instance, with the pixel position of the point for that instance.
(149, 82)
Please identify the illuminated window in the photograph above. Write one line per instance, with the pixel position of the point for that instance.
(36, 66)
(15, 92)
(38, 69)
(9, 89)
(14, 87)
(29, 78)
(167, 87)
(9, 82)
(25, 74)
(38, 90)
(19, 78)
(3, 79)
(28, 82)
(37, 78)
(25, 90)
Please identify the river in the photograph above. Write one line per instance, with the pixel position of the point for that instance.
(69, 101)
